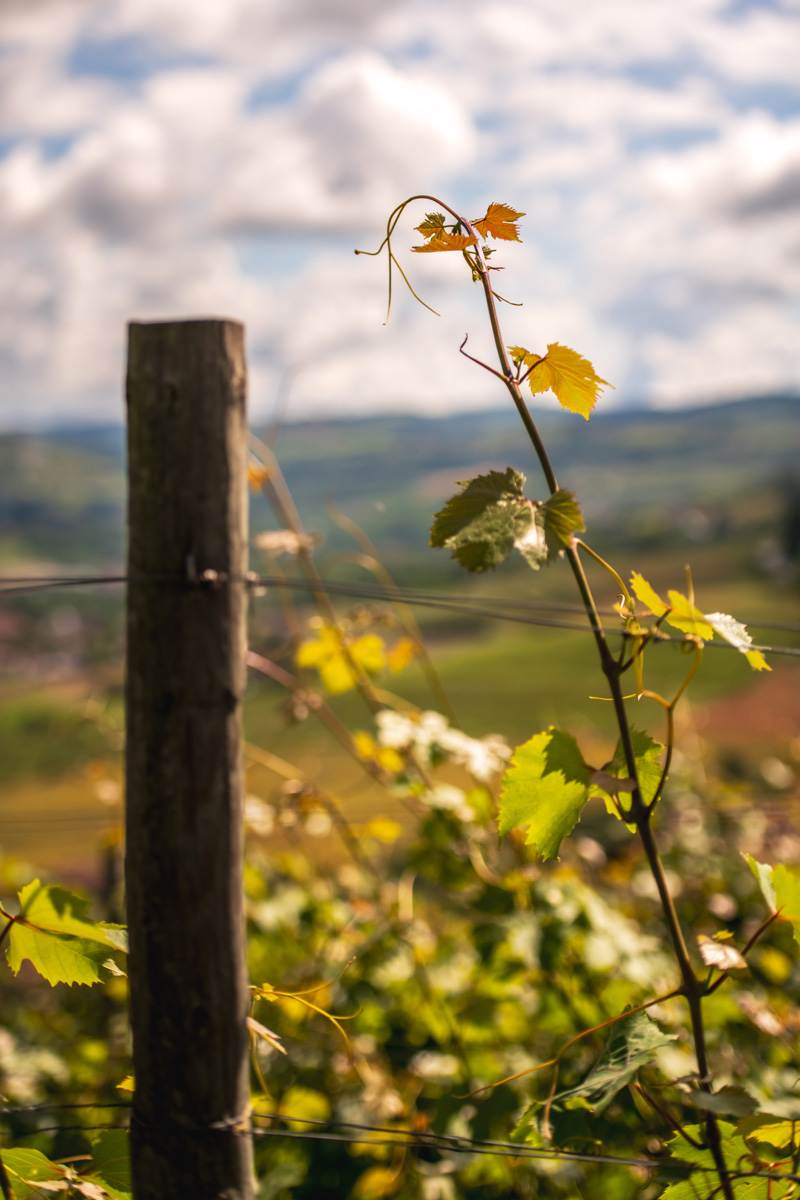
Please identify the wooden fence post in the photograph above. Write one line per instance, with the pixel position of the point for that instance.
(187, 509)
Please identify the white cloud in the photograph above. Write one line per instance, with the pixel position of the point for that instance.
(230, 153)
(360, 134)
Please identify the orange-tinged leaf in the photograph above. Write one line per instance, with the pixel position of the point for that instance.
(446, 241)
(256, 476)
(499, 222)
(569, 376)
(433, 223)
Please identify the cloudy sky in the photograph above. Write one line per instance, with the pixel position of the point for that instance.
(167, 158)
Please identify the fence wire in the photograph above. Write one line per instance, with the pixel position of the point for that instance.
(326, 1131)
(491, 608)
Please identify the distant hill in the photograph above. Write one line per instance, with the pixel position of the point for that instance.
(649, 474)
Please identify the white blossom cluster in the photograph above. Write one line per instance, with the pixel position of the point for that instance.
(423, 732)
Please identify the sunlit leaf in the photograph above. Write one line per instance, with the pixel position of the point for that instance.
(446, 241)
(687, 617)
(644, 592)
(776, 1133)
(111, 1163)
(499, 222)
(763, 874)
(401, 654)
(384, 829)
(337, 666)
(780, 887)
(646, 752)
(786, 881)
(303, 1102)
(562, 518)
(570, 377)
(631, 1045)
(704, 1179)
(724, 958)
(433, 223)
(736, 634)
(544, 791)
(488, 519)
(257, 475)
(26, 1168)
(53, 932)
(377, 1182)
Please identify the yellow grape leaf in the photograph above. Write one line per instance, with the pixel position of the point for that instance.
(446, 241)
(401, 654)
(127, 1084)
(643, 591)
(335, 666)
(390, 760)
(378, 1182)
(499, 222)
(736, 634)
(570, 377)
(384, 829)
(687, 618)
(367, 747)
(363, 744)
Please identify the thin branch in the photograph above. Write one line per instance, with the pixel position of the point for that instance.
(478, 362)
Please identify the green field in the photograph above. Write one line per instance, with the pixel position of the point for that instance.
(714, 487)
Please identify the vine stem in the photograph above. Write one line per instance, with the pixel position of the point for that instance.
(691, 987)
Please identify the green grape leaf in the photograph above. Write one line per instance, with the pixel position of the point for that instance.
(729, 1101)
(26, 1168)
(737, 1154)
(632, 1044)
(111, 1162)
(544, 789)
(488, 519)
(61, 942)
(646, 751)
(786, 881)
(779, 1133)
(763, 874)
(780, 887)
(562, 518)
